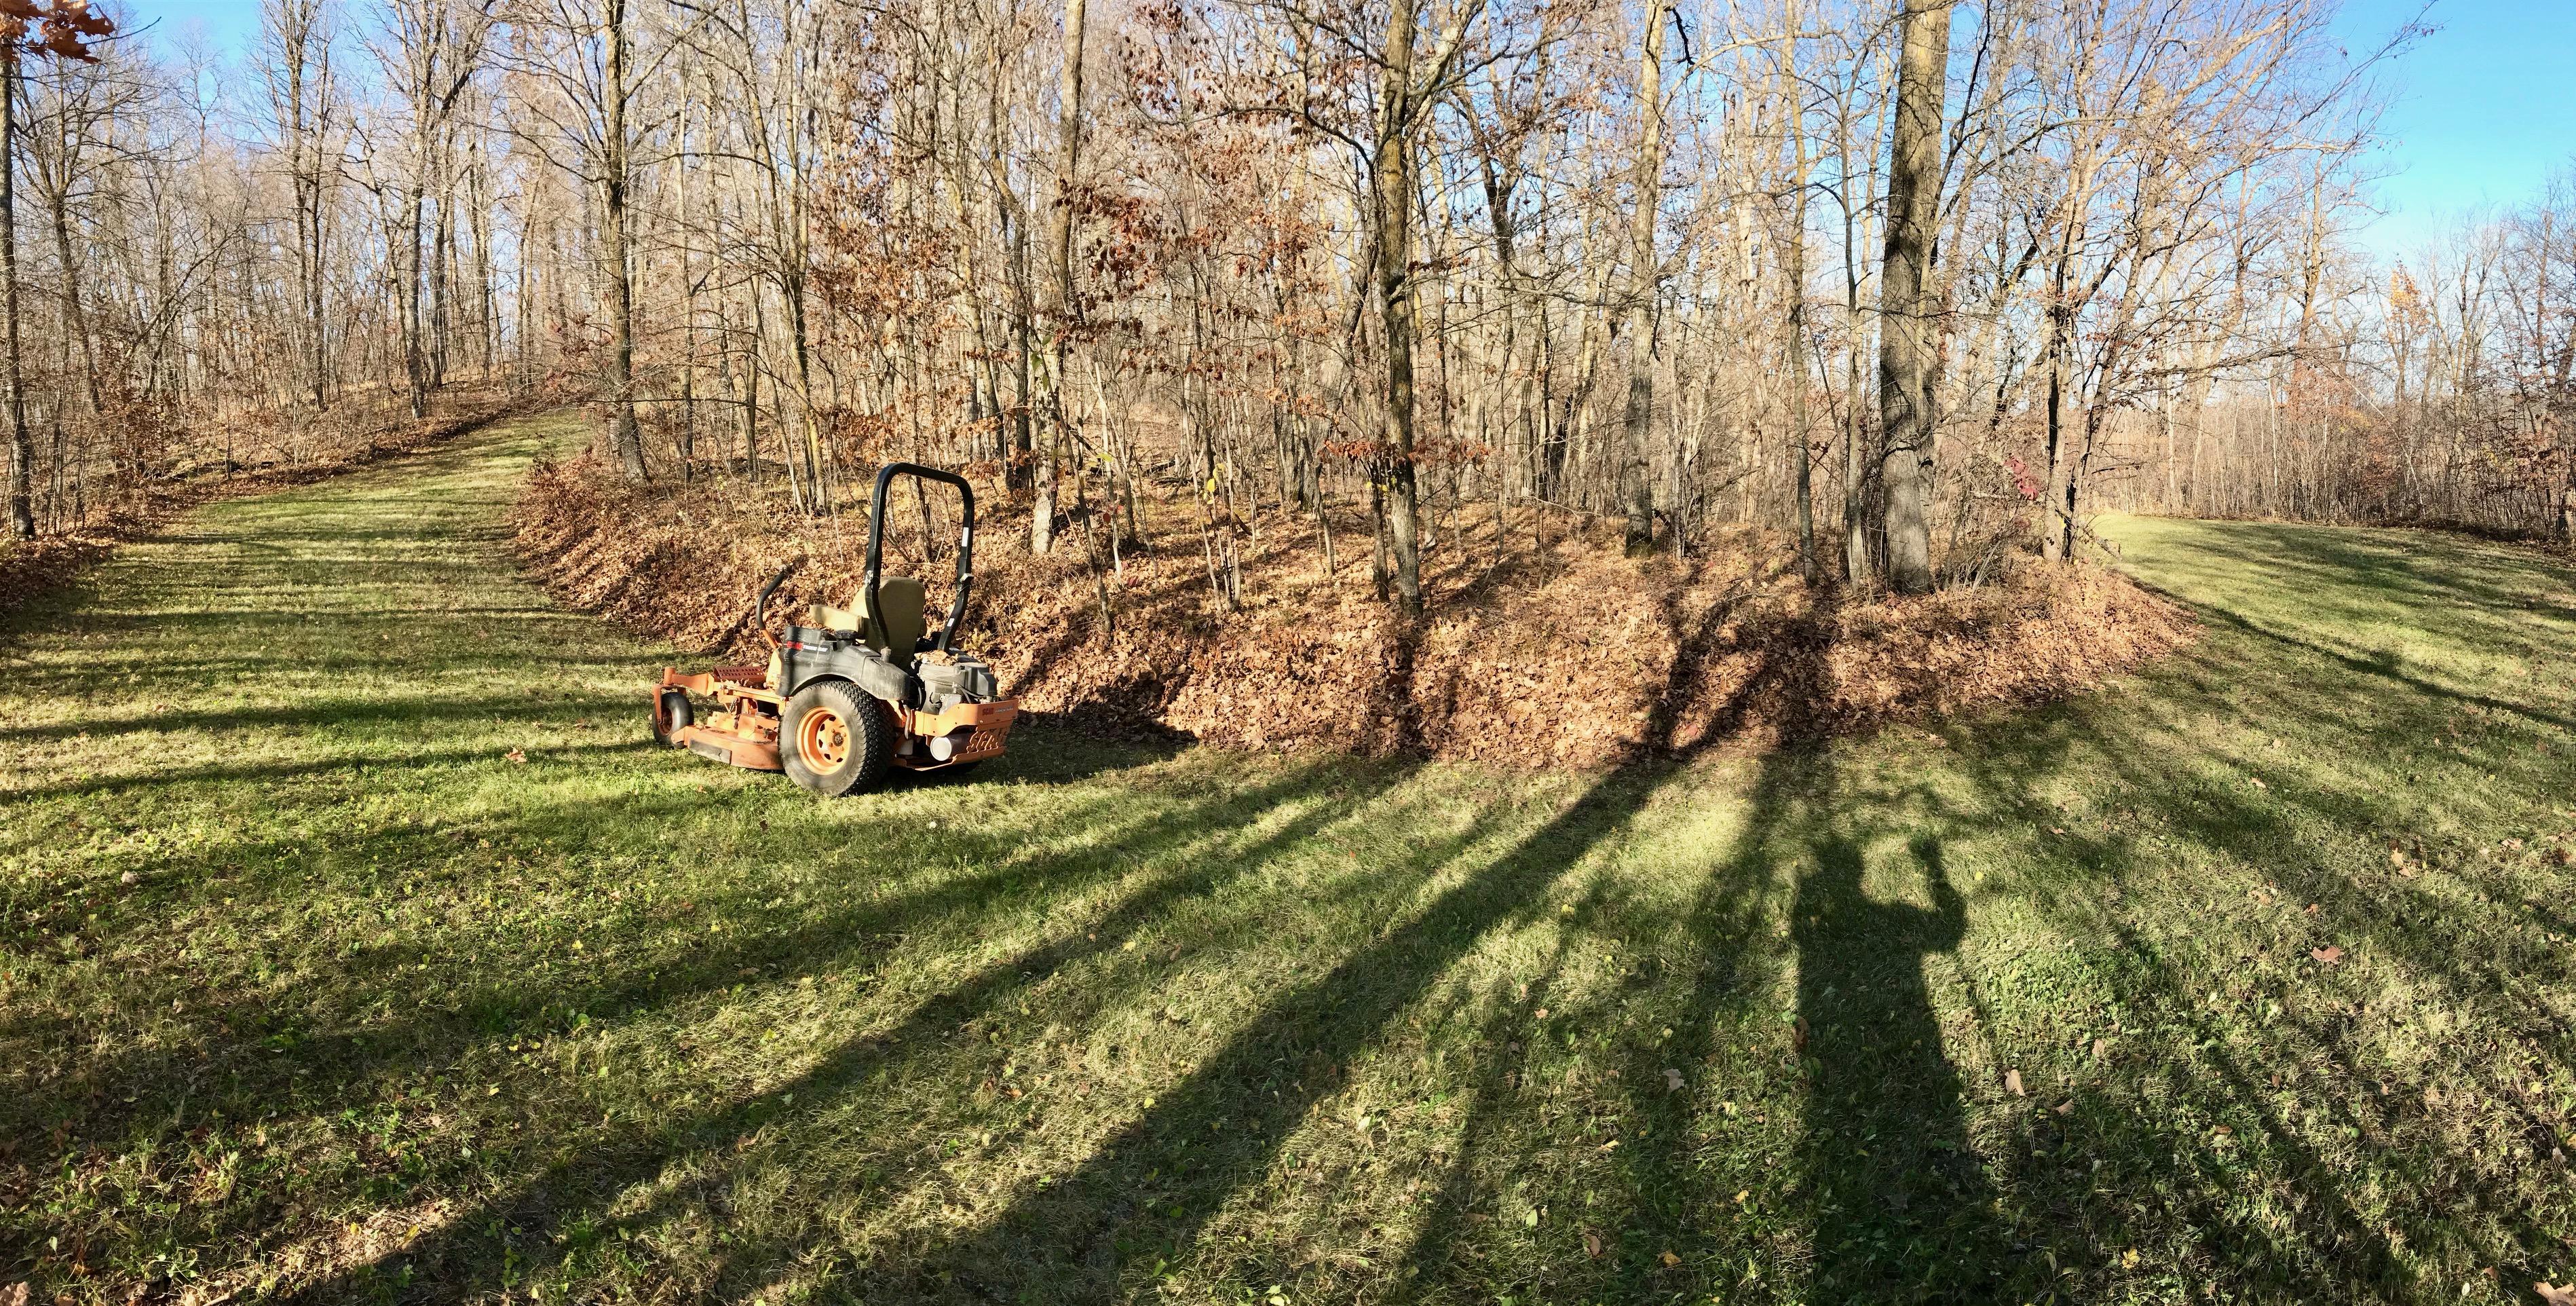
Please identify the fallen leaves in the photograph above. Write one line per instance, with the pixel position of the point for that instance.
(1672, 1080)
(2012, 1083)
(2328, 955)
(519, 755)
(1669, 1259)
(2556, 1296)
(1491, 679)
(1592, 1244)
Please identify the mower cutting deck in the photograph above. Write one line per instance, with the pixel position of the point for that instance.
(848, 698)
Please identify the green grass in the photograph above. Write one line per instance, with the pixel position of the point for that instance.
(309, 991)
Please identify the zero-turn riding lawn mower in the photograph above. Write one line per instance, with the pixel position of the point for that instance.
(848, 698)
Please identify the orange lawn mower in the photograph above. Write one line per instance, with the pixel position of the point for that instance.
(848, 698)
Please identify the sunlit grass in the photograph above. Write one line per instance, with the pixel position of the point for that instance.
(309, 988)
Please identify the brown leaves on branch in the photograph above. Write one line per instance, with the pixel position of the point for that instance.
(64, 29)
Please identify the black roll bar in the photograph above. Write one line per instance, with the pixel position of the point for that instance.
(965, 543)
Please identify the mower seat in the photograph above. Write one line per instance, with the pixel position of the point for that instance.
(896, 627)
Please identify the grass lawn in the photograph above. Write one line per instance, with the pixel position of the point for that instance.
(358, 946)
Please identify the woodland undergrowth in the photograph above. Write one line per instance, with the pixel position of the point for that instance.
(1563, 654)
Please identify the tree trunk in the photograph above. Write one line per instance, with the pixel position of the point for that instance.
(22, 446)
(2056, 542)
(1060, 252)
(1636, 481)
(415, 363)
(1908, 328)
(1794, 289)
(624, 437)
(1392, 183)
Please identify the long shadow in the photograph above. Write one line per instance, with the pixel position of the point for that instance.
(2385, 666)
(2209, 1051)
(1664, 1204)
(314, 712)
(2339, 1163)
(1089, 1235)
(350, 764)
(1900, 1195)
(336, 1055)
(578, 1190)
(2372, 562)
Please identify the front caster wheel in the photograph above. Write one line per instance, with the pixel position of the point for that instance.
(671, 715)
(835, 739)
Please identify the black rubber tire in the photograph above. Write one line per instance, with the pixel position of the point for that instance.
(672, 715)
(867, 751)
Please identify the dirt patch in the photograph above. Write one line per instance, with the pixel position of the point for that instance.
(29, 568)
(1569, 656)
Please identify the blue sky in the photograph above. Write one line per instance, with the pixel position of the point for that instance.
(229, 25)
(2482, 109)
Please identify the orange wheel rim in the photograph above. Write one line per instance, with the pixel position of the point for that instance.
(823, 738)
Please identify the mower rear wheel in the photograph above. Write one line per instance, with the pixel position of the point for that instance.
(835, 739)
(671, 715)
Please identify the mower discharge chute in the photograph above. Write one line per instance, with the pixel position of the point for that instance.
(848, 698)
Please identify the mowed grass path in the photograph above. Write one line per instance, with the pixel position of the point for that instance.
(311, 990)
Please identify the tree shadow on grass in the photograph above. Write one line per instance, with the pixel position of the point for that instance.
(2292, 1064)
(541, 1215)
(330, 712)
(1096, 1233)
(1886, 1196)
(2381, 662)
(341, 1050)
(349, 1048)
(1099, 1233)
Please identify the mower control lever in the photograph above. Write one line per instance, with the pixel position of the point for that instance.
(760, 606)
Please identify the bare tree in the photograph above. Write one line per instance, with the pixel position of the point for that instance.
(1908, 373)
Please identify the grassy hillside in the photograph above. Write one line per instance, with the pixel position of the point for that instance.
(357, 946)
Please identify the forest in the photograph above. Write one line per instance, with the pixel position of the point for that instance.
(1423, 651)
(1671, 266)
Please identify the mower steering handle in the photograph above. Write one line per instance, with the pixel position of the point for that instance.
(965, 542)
(760, 606)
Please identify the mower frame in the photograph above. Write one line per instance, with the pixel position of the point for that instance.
(962, 721)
